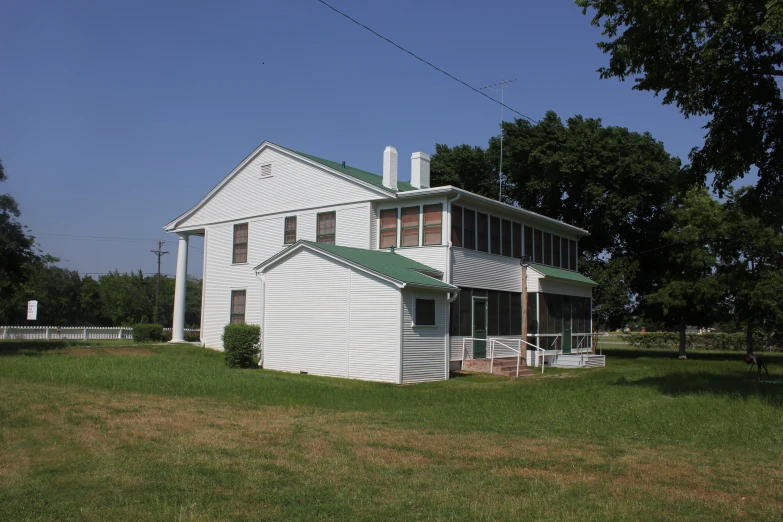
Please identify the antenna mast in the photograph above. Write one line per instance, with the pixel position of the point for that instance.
(500, 86)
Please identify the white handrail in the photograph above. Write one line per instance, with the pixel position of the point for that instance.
(462, 367)
(492, 351)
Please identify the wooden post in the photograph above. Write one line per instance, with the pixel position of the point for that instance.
(524, 263)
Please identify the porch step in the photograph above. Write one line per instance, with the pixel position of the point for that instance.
(579, 361)
(503, 366)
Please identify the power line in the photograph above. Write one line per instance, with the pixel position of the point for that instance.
(426, 62)
(106, 238)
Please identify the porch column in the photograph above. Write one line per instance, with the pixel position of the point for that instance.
(180, 285)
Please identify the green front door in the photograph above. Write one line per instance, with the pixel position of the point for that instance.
(479, 328)
(566, 341)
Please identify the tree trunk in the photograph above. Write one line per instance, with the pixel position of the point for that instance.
(682, 339)
(749, 338)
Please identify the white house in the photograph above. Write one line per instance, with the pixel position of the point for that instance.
(362, 276)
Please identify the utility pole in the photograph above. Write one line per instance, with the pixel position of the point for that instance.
(160, 253)
(494, 87)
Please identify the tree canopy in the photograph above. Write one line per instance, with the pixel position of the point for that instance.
(716, 58)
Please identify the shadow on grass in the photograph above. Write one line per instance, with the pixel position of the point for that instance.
(40, 347)
(738, 385)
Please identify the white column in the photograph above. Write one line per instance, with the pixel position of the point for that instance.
(180, 284)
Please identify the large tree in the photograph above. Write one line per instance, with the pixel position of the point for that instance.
(688, 290)
(717, 58)
(751, 261)
(617, 184)
(17, 253)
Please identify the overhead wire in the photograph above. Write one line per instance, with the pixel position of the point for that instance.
(426, 62)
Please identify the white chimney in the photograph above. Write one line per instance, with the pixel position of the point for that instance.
(390, 168)
(420, 170)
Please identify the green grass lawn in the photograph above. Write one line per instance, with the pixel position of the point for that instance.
(124, 432)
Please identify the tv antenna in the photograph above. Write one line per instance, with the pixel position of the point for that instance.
(500, 86)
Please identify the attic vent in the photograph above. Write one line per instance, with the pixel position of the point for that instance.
(266, 171)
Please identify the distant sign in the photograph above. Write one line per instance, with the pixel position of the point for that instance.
(32, 310)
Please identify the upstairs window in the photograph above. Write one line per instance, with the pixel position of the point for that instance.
(538, 248)
(494, 235)
(425, 312)
(506, 235)
(410, 226)
(529, 242)
(326, 228)
(433, 218)
(517, 233)
(388, 228)
(547, 248)
(556, 251)
(469, 224)
(240, 243)
(482, 232)
(564, 249)
(290, 230)
(238, 298)
(456, 225)
(572, 254)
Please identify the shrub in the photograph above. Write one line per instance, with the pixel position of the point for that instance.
(148, 333)
(241, 344)
(708, 341)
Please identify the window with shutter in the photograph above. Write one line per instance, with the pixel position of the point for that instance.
(289, 233)
(327, 225)
(240, 243)
(410, 226)
(388, 228)
(238, 298)
(433, 218)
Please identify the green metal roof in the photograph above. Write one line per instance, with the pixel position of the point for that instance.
(394, 266)
(559, 273)
(363, 175)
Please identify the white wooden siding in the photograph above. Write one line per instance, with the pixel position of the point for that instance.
(327, 319)
(424, 347)
(353, 228)
(432, 256)
(374, 344)
(533, 280)
(265, 239)
(306, 321)
(556, 286)
(475, 269)
(221, 276)
(294, 184)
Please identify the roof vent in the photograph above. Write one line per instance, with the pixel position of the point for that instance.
(343, 164)
(390, 168)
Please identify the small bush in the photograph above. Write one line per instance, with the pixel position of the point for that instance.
(148, 333)
(241, 344)
(708, 341)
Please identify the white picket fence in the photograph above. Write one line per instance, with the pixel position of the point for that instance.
(74, 332)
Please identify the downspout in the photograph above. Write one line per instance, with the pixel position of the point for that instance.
(262, 277)
(453, 295)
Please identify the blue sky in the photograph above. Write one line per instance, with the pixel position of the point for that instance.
(115, 117)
